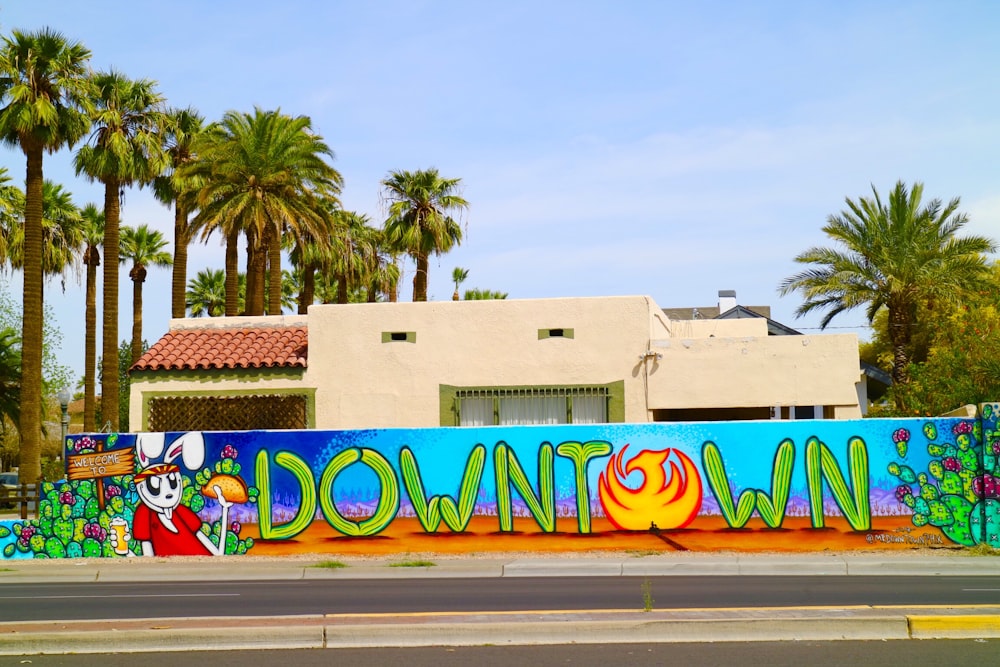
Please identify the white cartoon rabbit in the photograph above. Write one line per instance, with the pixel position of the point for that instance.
(161, 524)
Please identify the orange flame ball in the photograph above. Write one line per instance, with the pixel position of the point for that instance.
(668, 505)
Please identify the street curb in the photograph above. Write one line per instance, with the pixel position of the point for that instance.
(954, 627)
(497, 628)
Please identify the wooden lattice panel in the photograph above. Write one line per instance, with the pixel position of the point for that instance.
(227, 413)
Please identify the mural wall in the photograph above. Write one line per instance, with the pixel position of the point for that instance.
(778, 485)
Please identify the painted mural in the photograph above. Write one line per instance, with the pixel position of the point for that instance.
(777, 485)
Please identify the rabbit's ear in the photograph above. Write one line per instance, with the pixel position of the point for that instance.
(191, 447)
(148, 446)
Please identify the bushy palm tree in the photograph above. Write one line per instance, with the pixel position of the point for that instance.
(93, 236)
(381, 267)
(476, 294)
(124, 150)
(263, 173)
(10, 377)
(419, 222)
(44, 99)
(11, 214)
(348, 257)
(458, 276)
(144, 247)
(61, 234)
(891, 255)
(206, 293)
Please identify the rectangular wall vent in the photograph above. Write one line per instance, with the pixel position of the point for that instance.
(560, 332)
(399, 336)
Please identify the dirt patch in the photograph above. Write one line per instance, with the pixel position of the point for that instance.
(707, 534)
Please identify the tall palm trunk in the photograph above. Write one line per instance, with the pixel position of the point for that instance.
(273, 244)
(138, 276)
(420, 278)
(30, 463)
(92, 258)
(233, 273)
(308, 292)
(178, 283)
(256, 265)
(109, 348)
(342, 296)
(251, 281)
(900, 327)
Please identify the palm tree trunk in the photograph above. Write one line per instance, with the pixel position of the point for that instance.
(257, 263)
(92, 259)
(420, 278)
(394, 283)
(109, 347)
(308, 293)
(138, 276)
(178, 283)
(900, 325)
(233, 273)
(249, 298)
(342, 296)
(273, 244)
(30, 423)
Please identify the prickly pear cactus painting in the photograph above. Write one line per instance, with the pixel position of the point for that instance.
(959, 493)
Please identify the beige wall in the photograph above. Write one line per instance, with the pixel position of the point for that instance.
(760, 370)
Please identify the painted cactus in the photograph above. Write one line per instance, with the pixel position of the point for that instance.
(770, 507)
(958, 494)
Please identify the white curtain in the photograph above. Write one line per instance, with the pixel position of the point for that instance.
(590, 409)
(475, 411)
(533, 410)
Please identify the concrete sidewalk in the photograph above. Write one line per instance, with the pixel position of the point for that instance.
(553, 627)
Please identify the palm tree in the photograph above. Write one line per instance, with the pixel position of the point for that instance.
(263, 173)
(893, 256)
(144, 247)
(418, 222)
(182, 130)
(125, 150)
(93, 236)
(61, 233)
(381, 268)
(458, 276)
(44, 92)
(206, 293)
(347, 259)
(10, 377)
(11, 213)
(476, 294)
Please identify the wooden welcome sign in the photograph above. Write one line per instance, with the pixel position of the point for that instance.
(98, 465)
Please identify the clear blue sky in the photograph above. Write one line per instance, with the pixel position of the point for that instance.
(607, 148)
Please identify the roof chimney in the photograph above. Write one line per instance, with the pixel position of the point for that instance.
(727, 300)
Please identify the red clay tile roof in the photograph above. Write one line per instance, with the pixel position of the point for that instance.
(249, 347)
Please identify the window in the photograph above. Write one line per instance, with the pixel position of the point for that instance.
(549, 405)
(399, 336)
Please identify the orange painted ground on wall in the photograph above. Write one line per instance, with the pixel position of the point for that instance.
(405, 535)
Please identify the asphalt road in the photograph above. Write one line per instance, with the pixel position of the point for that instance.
(955, 653)
(68, 601)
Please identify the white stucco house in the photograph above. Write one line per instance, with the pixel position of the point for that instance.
(601, 359)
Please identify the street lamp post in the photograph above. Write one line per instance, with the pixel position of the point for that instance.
(64, 397)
